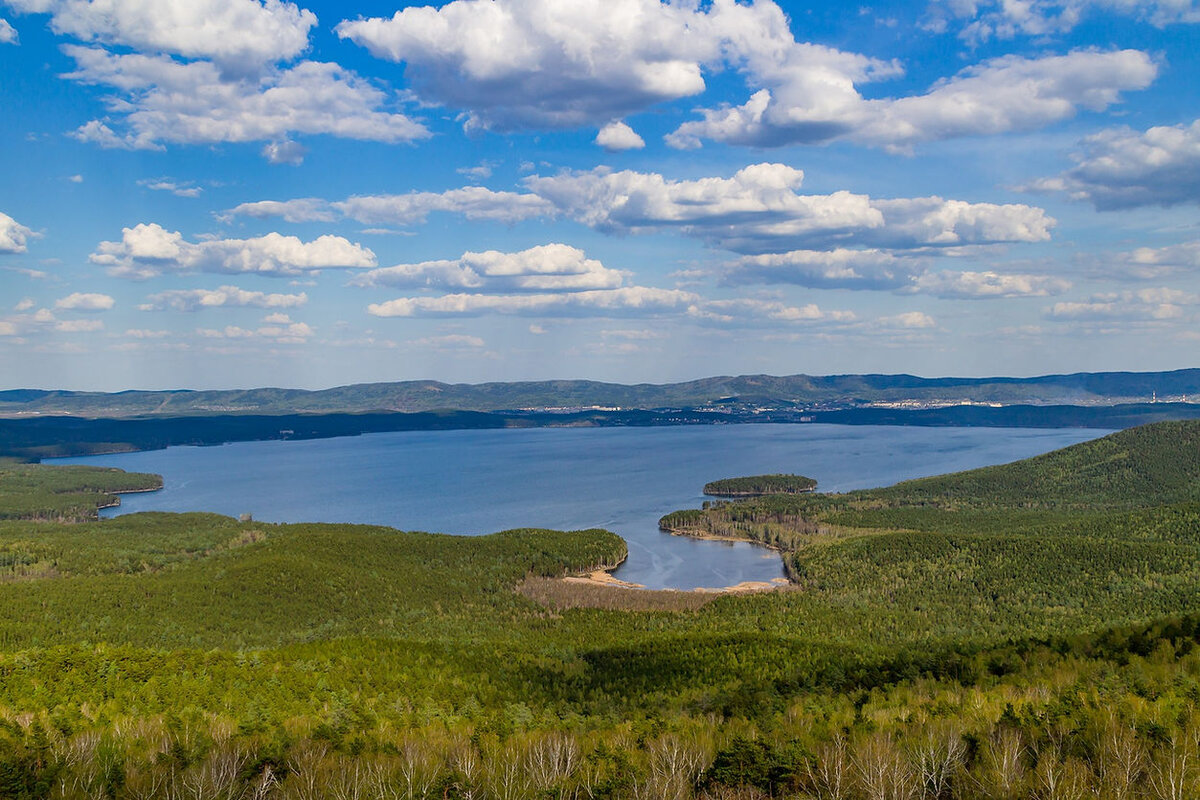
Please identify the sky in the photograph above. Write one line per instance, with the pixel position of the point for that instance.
(241, 193)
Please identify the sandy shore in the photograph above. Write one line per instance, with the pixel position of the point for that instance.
(601, 578)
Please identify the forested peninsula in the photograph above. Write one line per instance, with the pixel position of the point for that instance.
(1021, 631)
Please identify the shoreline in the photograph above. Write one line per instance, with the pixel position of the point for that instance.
(80, 437)
(601, 577)
(116, 496)
(712, 537)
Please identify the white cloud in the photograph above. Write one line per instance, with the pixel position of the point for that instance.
(224, 297)
(144, 333)
(881, 270)
(177, 188)
(1123, 168)
(514, 64)
(997, 96)
(146, 251)
(1158, 304)
(988, 285)
(75, 178)
(759, 210)
(80, 301)
(908, 320)
(547, 268)
(293, 333)
(758, 311)
(8, 34)
(1004, 19)
(451, 341)
(630, 300)
(543, 63)
(8, 328)
(163, 101)
(480, 172)
(1148, 263)
(472, 202)
(13, 235)
(25, 304)
(617, 136)
(840, 268)
(305, 209)
(79, 326)
(285, 152)
(238, 34)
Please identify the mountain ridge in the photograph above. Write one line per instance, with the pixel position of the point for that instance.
(794, 392)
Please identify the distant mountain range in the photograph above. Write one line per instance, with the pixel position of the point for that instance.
(740, 394)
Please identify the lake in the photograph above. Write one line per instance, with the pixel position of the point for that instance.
(473, 482)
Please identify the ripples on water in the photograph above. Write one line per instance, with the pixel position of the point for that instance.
(622, 479)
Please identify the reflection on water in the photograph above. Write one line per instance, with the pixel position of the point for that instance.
(622, 479)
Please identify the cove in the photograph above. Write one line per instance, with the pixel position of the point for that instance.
(472, 482)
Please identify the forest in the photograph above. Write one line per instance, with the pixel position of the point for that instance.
(759, 484)
(1021, 631)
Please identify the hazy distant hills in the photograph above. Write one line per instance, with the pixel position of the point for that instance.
(793, 392)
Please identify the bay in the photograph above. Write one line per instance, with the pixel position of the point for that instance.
(474, 482)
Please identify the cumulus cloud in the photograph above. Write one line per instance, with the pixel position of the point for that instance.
(881, 270)
(13, 235)
(840, 268)
(289, 333)
(8, 34)
(969, 285)
(982, 20)
(1123, 168)
(81, 301)
(162, 101)
(224, 297)
(1159, 304)
(177, 188)
(304, 209)
(760, 210)
(146, 251)
(79, 326)
(1001, 95)
(1149, 263)
(548, 268)
(543, 64)
(450, 341)
(239, 34)
(285, 152)
(617, 136)
(629, 300)
(540, 63)
(472, 202)
(758, 311)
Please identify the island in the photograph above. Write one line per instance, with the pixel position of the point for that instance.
(754, 485)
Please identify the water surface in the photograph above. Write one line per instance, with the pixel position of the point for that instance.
(622, 479)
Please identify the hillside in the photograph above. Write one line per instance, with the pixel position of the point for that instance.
(743, 391)
(1044, 612)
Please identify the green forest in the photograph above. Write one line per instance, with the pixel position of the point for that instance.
(1022, 631)
(759, 484)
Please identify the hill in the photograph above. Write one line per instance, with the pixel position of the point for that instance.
(971, 635)
(742, 392)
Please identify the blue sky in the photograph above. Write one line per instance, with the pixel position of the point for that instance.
(233, 193)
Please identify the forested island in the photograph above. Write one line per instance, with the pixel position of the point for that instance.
(760, 484)
(1021, 631)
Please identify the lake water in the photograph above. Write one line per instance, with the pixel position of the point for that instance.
(622, 479)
